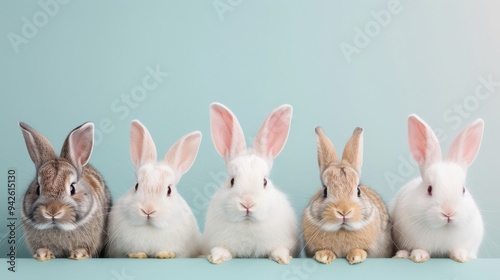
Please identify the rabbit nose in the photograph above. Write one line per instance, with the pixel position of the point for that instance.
(247, 205)
(448, 216)
(148, 212)
(53, 212)
(341, 214)
(247, 202)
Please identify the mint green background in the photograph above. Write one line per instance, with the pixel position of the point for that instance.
(298, 269)
(258, 55)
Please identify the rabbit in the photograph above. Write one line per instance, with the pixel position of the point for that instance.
(65, 209)
(345, 218)
(434, 214)
(249, 217)
(152, 219)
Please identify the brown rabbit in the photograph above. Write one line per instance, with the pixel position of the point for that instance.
(345, 218)
(65, 208)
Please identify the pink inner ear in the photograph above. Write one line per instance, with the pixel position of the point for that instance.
(417, 138)
(142, 147)
(226, 132)
(81, 144)
(183, 153)
(465, 146)
(423, 143)
(273, 134)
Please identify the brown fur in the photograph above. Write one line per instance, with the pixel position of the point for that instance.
(341, 242)
(342, 181)
(62, 243)
(54, 177)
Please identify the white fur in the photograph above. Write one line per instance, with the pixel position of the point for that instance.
(149, 220)
(249, 219)
(271, 226)
(172, 229)
(421, 229)
(419, 224)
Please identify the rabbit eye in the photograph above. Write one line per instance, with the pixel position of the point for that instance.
(429, 190)
(232, 182)
(72, 188)
(265, 182)
(38, 189)
(325, 192)
(136, 186)
(359, 192)
(463, 190)
(169, 190)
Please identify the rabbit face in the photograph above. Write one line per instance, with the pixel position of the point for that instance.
(151, 198)
(246, 192)
(57, 199)
(444, 195)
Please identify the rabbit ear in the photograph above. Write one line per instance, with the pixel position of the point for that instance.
(183, 153)
(326, 151)
(38, 146)
(353, 151)
(464, 148)
(227, 134)
(273, 133)
(142, 147)
(78, 145)
(424, 144)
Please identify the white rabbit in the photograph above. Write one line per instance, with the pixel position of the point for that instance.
(435, 215)
(152, 219)
(249, 217)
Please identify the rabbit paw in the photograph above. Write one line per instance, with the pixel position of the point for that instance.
(79, 254)
(281, 256)
(419, 255)
(219, 255)
(324, 256)
(402, 254)
(356, 256)
(165, 255)
(138, 255)
(43, 254)
(460, 256)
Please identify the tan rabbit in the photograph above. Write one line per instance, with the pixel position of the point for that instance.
(345, 218)
(65, 208)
